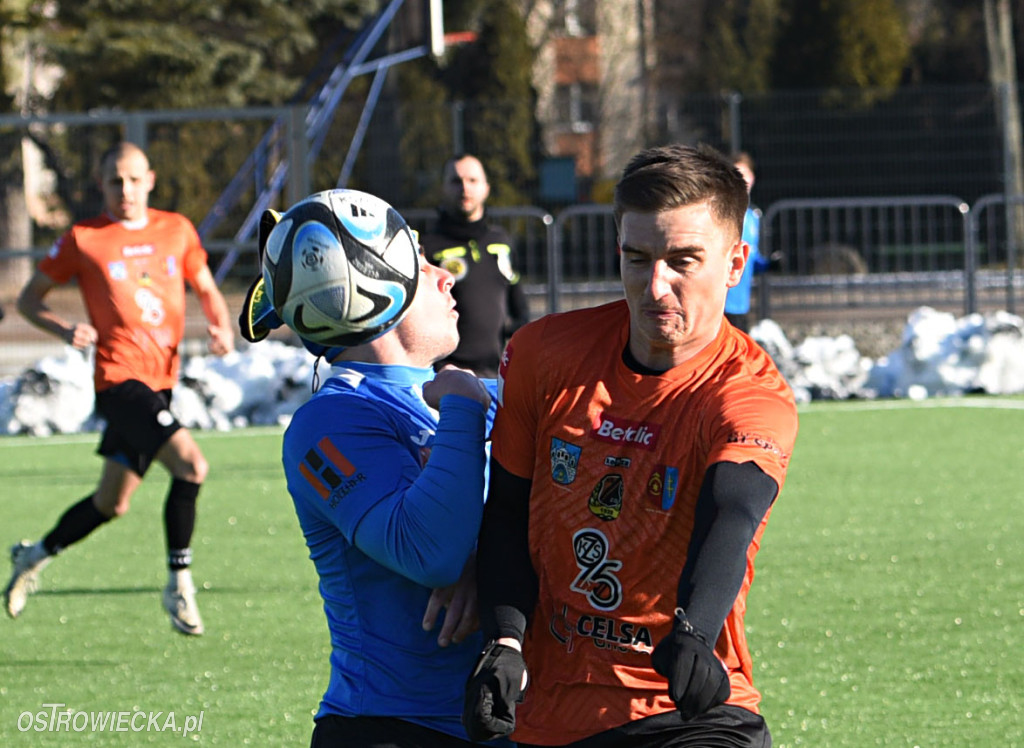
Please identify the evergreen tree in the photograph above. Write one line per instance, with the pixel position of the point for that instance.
(160, 54)
(487, 83)
(739, 44)
(171, 54)
(842, 44)
(493, 76)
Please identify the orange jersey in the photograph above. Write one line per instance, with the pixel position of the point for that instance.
(133, 284)
(616, 461)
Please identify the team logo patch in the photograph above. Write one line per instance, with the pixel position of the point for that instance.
(662, 486)
(457, 266)
(164, 418)
(597, 579)
(565, 457)
(117, 270)
(606, 499)
(329, 472)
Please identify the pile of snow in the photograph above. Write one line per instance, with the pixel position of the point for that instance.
(260, 386)
(939, 355)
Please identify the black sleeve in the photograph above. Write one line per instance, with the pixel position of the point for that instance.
(733, 500)
(506, 580)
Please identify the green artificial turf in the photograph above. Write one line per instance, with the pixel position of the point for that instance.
(888, 607)
(889, 603)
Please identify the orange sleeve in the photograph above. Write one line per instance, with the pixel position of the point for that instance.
(61, 262)
(515, 424)
(195, 255)
(756, 425)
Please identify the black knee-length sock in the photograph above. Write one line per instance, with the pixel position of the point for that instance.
(78, 521)
(180, 521)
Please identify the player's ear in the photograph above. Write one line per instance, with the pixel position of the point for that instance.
(737, 259)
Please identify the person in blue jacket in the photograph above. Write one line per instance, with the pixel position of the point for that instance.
(385, 467)
(737, 300)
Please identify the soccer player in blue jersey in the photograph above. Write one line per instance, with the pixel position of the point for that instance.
(385, 466)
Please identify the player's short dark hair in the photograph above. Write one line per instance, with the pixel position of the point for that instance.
(671, 176)
(454, 159)
(116, 151)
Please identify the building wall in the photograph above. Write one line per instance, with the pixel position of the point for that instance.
(592, 76)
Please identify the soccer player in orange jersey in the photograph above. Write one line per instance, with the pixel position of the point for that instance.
(637, 451)
(131, 265)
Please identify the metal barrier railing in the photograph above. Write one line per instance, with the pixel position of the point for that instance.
(842, 255)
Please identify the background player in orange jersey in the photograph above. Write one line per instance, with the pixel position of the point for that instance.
(637, 451)
(131, 265)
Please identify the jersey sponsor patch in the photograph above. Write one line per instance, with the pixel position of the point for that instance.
(619, 431)
(768, 445)
(601, 631)
(329, 472)
(565, 457)
(137, 250)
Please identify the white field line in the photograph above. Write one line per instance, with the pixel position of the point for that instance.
(859, 406)
(13, 442)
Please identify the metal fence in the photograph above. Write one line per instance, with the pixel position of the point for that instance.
(836, 255)
(831, 257)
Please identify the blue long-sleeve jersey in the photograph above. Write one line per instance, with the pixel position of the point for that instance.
(737, 299)
(389, 496)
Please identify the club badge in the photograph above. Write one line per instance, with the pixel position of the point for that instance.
(564, 459)
(606, 498)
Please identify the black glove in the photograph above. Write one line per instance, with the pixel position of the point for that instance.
(492, 692)
(697, 680)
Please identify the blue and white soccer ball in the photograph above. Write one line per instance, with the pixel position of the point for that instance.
(341, 267)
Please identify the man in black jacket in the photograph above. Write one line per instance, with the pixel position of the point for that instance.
(489, 299)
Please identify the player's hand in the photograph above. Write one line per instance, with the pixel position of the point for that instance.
(461, 616)
(221, 341)
(492, 692)
(81, 336)
(697, 680)
(454, 381)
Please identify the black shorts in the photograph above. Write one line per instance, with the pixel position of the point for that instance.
(722, 727)
(335, 731)
(139, 422)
